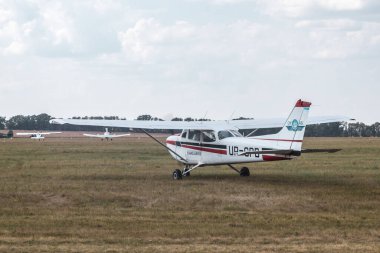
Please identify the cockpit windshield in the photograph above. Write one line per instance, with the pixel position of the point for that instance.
(228, 133)
(224, 134)
(236, 133)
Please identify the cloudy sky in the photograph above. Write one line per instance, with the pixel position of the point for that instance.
(217, 58)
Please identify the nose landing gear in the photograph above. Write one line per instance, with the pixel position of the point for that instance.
(177, 174)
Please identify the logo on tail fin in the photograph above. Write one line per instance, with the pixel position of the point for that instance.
(295, 125)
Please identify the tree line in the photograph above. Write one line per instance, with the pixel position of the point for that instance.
(41, 122)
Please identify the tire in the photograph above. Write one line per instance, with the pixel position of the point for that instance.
(177, 174)
(244, 172)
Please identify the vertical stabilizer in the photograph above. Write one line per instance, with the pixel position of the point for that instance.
(292, 134)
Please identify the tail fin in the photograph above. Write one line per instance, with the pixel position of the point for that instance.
(291, 135)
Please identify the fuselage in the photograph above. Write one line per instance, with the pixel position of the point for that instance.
(37, 137)
(216, 148)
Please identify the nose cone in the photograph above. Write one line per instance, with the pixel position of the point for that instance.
(171, 140)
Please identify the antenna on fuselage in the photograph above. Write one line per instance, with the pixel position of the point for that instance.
(232, 115)
(204, 117)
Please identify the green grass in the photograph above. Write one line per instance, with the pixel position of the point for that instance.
(84, 195)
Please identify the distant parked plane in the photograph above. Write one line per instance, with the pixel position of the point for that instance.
(8, 135)
(107, 135)
(37, 136)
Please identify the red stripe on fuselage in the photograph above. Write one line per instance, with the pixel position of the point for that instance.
(211, 150)
(269, 158)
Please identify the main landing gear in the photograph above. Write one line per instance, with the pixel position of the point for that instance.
(243, 172)
(178, 174)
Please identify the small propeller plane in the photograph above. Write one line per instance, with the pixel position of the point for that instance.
(205, 143)
(38, 136)
(106, 136)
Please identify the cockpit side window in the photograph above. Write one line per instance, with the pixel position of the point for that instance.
(184, 134)
(224, 134)
(208, 136)
(194, 135)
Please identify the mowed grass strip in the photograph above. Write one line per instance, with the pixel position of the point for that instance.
(85, 195)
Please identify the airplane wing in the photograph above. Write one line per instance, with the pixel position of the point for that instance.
(47, 133)
(201, 125)
(25, 134)
(119, 135)
(94, 135)
(43, 133)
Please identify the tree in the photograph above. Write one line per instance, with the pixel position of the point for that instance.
(17, 122)
(242, 118)
(2, 123)
(144, 117)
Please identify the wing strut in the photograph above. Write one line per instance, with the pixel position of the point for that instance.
(155, 139)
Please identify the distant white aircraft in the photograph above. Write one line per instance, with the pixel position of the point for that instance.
(205, 143)
(107, 135)
(37, 136)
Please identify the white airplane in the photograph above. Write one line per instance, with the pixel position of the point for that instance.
(204, 143)
(107, 135)
(37, 136)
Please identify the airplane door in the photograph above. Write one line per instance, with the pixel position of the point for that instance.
(192, 150)
(209, 152)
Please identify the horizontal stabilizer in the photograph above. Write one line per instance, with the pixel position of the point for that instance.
(332, 150)
(289, 152)
(269, 152)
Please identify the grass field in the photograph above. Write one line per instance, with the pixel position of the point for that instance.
(84, 195)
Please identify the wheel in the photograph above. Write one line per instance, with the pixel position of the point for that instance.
(186, 174)
(244, 172)
(177, 174)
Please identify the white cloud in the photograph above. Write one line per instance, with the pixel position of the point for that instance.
(15, 48)
(341, 5)
(148, 40)
(147, 37)
(329, 24)
(340, 38)
(57, 22)
(237, 50)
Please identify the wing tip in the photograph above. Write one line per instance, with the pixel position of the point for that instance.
(57, 121)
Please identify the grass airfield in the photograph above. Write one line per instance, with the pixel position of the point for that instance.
(85, 195)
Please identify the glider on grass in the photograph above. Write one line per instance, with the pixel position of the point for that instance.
(106, 136)
(37, 136)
